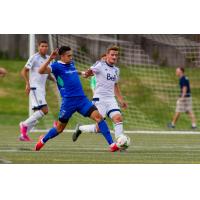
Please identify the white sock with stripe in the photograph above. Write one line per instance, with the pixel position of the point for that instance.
(33, 118)
(88, 128)
(118, 129)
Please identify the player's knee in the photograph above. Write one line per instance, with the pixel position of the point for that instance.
(98, 117)
(45, 110)
(117, 119)
(60, 129)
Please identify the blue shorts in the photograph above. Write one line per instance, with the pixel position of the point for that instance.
(71, 105)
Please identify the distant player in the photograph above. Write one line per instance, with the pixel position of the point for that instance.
(73, 97)
(184, 102)
(3, 72)
(93, 80)
(35, 86)
(107, 87)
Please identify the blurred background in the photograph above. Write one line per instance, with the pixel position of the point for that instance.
(147, 69)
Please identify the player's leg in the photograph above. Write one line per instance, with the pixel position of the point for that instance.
(39, 105)
(114, 113)
(190, 112)
(90, 128)
(193, 119)
(180, 107)
(53, 132)
(66, 111)
(87, 109)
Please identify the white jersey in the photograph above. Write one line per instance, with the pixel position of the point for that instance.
(106, 77)
(35, 78)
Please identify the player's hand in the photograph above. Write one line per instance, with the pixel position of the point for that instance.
(88, 73)
(27, 89)
(54, 54)
(123, 104)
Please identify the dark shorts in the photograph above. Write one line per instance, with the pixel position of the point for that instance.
(71, 105)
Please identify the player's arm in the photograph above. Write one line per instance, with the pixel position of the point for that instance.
(184, 91)
(25, 75)
(3, 72)
(119, 96)
(45, 69)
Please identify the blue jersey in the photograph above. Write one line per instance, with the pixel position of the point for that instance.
(184, 82)
(68, 80)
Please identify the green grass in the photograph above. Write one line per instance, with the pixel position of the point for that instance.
(92, 148)
(151, 94)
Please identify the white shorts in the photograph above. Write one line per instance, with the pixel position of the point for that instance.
(37, 98)
(107, 106)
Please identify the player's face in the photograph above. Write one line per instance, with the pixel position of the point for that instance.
(112, 57)
(43, 48)
(178, 72)
(67, 57)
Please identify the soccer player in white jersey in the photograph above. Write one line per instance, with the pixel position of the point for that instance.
(35, 87)
(107, 77)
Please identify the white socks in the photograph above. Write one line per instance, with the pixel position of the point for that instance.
(32, 126)
(32, 120)
(88, 128)
(118, 129)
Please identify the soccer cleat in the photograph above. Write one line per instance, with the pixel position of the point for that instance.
(25, 138)
(39, 144)
(114, 147)
(76, 133)
(170, 125)
(194, 127)
(23, 129)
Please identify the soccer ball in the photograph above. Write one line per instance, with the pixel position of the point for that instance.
(123, 142)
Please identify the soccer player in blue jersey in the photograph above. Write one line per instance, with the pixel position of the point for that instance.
(73, 97)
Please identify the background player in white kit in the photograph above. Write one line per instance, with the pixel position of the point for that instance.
(107, 77)
(35, 86)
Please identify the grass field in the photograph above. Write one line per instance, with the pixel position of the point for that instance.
(149, 110)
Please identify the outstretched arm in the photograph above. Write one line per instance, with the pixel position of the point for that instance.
(45, 69)
(119, 96)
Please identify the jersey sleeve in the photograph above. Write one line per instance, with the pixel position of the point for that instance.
(184, 82)
(96, 68)
(30, 62)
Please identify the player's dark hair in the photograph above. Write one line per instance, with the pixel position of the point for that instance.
(42, 42)
(63, 49)
(182, 69)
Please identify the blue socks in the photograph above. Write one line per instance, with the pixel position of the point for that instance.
(105, 131)
(51, 134)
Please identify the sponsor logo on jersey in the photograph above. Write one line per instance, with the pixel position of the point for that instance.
(110, 77)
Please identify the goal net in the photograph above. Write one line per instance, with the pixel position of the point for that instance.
(147, 77)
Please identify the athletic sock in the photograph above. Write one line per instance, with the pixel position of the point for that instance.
(33, 118)
(51, 134)
(105, 131)
(31, 126)
(118, 129)
(194, 125)
(88, 128)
